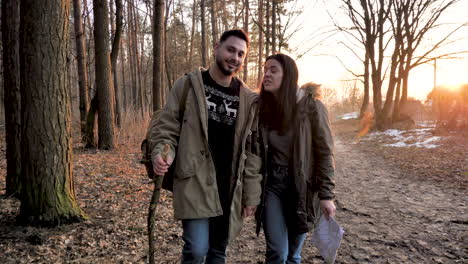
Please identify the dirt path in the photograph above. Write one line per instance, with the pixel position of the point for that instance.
(391, 218)
(388, 217)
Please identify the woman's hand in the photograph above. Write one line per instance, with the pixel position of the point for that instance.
(328, 208)
(248, 211)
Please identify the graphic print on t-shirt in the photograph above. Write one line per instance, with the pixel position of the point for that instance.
(222, 107)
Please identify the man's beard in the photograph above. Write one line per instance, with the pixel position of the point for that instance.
(226, 72)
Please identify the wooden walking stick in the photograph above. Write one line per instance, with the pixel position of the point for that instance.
(157, 180)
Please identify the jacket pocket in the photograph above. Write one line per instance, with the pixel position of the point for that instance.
(186, 162)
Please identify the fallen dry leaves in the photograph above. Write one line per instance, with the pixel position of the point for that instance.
(112, 188)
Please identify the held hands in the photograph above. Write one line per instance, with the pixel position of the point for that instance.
(328, 208)
(160, 167)
(248, 211)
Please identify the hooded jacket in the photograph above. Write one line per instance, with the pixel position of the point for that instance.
(311, 165)
(195, 188)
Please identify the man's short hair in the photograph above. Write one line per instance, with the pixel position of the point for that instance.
(239, 33)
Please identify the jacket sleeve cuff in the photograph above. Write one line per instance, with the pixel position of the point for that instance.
(158, 150)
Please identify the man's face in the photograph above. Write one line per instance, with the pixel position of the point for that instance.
(230, 55)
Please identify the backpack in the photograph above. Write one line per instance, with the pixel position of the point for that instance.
(147, 148)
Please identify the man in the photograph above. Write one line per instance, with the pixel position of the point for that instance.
(217, 180)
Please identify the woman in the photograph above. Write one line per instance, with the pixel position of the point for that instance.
(298, 158)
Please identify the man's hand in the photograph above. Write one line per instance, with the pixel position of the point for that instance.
(160, 167)
(328, 208)
(248, 211)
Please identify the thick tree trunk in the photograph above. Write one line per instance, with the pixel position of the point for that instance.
(158, 29)
(90, 123)
(47, 194)
(81, 65)
(103, 77)
(114, 57)
(203, 34)
(12, 99)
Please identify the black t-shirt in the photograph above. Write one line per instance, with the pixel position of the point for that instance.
(223, 103)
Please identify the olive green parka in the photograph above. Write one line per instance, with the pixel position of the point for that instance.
(195, 188)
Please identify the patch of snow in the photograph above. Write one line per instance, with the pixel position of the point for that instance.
(426, 123)
(349, 116)
(422, 136)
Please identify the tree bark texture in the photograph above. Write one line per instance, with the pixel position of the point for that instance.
(81, 65)
(12, 99)
(246, 29)
(214, 27)
(260, 43)
(103, 81)
(203, 34)
(365, 100)
(268, 29)
(158, 27)
(47, 194)
(274, 10)
(114, 57)
(192, 35)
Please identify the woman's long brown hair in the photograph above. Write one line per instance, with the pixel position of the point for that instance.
(278, 112)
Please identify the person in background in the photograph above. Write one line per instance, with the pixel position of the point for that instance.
(298, 160)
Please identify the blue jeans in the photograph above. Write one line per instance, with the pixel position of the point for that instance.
(207, 237)
(282, 246)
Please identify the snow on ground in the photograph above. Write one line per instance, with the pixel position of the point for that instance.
(349, 116)
(420, 137)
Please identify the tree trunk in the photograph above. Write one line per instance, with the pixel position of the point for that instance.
(158, 28)
(214, 27)
(139, 96)
(81, 65)
(12, 99)
(125, 92)
(365, 101)
(90, 122)
(88, 44)
(169, 80)
(47, 194)
(203, 34)
(396, 107)
(274, 10)
(246, 29)
(404, 92)
(114, 56)
(103, 81)
(268, 29)
(131, 58)
(192, 35)
(260, 43)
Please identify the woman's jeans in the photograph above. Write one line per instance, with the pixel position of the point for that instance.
(207, 237)
(282, 246)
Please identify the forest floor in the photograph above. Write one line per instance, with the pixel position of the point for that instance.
(396, 205)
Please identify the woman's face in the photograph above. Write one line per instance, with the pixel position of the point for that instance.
(272, 76)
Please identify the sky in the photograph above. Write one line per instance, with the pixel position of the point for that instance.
(321, 63)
